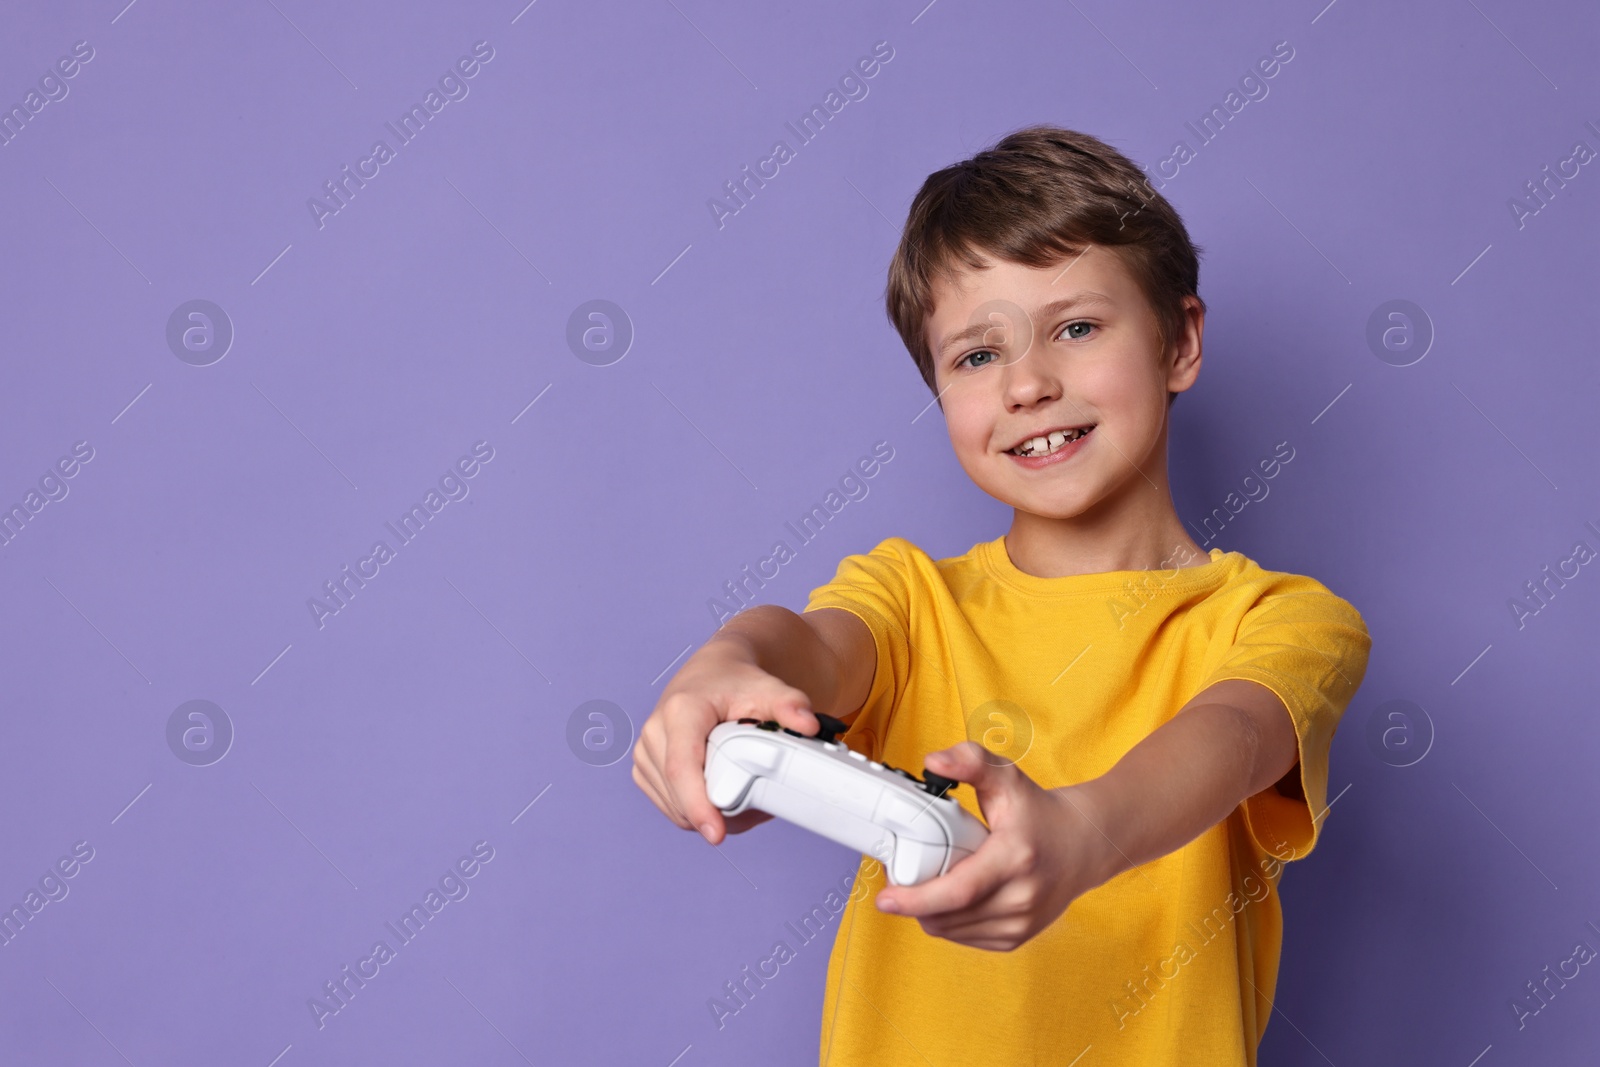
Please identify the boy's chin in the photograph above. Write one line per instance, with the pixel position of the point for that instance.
(1048, 502)
(1046, 505)
(1058, 513)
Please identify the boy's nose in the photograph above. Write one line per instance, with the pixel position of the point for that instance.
(1028, 381)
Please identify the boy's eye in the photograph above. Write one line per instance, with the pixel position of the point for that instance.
(1074, 330)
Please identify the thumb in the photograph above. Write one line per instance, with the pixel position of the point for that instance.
(992, 777)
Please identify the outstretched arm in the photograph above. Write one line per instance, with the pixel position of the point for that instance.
(1230, 742)
(1049, 846)
(767, 662)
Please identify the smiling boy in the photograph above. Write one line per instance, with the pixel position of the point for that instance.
(1145, 724)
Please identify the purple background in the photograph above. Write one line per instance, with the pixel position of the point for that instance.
(432, 310)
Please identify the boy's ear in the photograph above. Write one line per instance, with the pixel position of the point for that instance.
(1184, 356)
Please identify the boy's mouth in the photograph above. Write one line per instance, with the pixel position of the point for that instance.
(1048, 443)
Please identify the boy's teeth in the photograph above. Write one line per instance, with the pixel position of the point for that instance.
(1044, 445)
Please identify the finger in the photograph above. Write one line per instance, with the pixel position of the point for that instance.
(989, 941)
(791, 707)
(999, 784)
(649, 749)
(684, 769)
(651, 785)
(968, 761)
(969, 883)
(991, 917)
(641, 762)
(996, 930)
(647, 773)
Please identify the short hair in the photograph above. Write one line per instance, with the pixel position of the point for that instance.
(1037, 196)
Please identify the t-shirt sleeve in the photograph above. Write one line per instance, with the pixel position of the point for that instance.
(876, 588)
(1310, 648)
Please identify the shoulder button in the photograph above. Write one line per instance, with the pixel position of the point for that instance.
(828, 727)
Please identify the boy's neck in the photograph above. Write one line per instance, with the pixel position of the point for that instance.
(1137, 530)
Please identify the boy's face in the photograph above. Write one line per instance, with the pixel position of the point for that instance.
(1031, 365)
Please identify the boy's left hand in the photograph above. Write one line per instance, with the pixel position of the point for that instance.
(1043, 851)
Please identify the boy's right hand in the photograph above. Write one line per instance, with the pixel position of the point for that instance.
(720, 683)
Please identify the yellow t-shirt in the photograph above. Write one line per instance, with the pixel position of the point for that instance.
(1174, 962)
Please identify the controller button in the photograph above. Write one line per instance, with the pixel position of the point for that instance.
(828, 727)
(856, 755)
(768, 725)
(937, 784)
(753, 722)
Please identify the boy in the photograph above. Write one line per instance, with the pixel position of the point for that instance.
(1154, 719)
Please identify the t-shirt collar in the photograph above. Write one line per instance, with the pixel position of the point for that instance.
(997, 561)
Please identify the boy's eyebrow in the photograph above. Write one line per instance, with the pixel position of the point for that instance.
(1050, 310)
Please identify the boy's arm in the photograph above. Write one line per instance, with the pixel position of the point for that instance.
(1048, 846)
(1233, 740)
(828, 653)
(768, 663)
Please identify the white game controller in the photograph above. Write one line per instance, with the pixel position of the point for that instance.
(914, 827)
